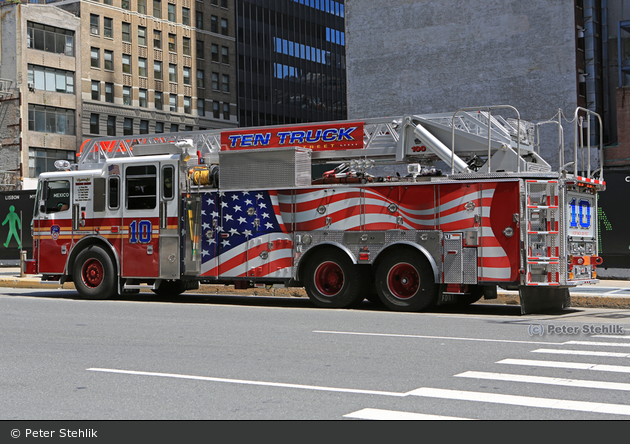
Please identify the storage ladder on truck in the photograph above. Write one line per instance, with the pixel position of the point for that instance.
(240, 206)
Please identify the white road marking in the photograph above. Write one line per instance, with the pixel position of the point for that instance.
(582, 353)
(605, 344)
(525, 401)
(545, 380)
(572, 365)
(389, 415)
(612, 336)
(436, 337)
(616, 409)
(247, 382)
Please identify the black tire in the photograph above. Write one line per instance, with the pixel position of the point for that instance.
(404, 281)
(332, 280)
(94, 275)
(170, 288)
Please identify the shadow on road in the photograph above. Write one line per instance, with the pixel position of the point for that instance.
(280, 302)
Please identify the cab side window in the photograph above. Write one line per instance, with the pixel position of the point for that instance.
(57, 196)
(141, 185)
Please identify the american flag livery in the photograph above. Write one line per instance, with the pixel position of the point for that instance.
(250, 239)
(239, 248)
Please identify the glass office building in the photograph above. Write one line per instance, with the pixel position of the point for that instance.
(291, 61)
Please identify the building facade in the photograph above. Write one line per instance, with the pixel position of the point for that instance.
(131, 67)
(442, 55)
(291, 61)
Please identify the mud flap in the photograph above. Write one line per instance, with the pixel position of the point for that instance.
(543, 299)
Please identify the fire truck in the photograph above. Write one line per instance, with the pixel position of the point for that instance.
(476, 207)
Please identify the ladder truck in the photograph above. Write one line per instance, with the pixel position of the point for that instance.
(241, 207)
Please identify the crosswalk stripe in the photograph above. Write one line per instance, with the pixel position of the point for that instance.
(582, 353)
(545, 380)
(525, 401)
(390, 415)
(604, 344)
(573, 365)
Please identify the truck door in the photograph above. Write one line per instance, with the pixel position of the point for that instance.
(169, 228)
(52, 227)
(141, 220)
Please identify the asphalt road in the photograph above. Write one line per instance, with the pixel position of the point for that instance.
(229, 358)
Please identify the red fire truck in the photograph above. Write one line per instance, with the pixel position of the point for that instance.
(240, 207)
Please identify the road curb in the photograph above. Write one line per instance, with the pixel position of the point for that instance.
(503, 297)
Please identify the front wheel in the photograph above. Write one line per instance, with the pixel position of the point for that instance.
(332, 280)
(404, 281)
(94, 276)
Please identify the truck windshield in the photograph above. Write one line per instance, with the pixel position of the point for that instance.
(56, 194)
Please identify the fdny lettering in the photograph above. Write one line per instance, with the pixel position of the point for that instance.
(322, 137)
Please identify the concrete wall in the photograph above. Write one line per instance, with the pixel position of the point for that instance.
(425, 56)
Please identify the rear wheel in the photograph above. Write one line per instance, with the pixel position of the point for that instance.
(94, 276)
(405, 282)
(332, 280)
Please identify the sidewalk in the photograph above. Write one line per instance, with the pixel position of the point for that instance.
(608, 293)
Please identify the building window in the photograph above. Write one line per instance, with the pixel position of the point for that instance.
(128, 126)
(126, 95)
(142, 36)
(172, 103)
(126, 63)
(199, 19)
(214, 24)
(187, 105)
(94, 24)
(214, 2)
(142, 6)
(50, 79)
(42, 160)
(142, 67)
(172, 73)
(172, 43)
(215, 52)
(174, 127)
(96, 90)
(108, 27)
(186, 76)
(157, 39)
(200, 49)
(49, 39)
(226, 111)
(125, 4)
(126, 32)
(224, 26)
(216, 113)
(144, 127)
(109, 92)
(157, 70)
(215, 81)
(157, 8)
(171, 12)
(225, 58)
(225, 84)
(95, 58)
(158, 100)
(186, 16)
(186, 46)
(142, 98)
(94, 129)
(224, 3)
(159, 127)
(108, 58)
(111, 125)
(200, 78)
(201, 107)
(107, 2)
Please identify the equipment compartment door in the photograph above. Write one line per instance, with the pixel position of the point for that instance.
(140, 247)
(169, 228)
